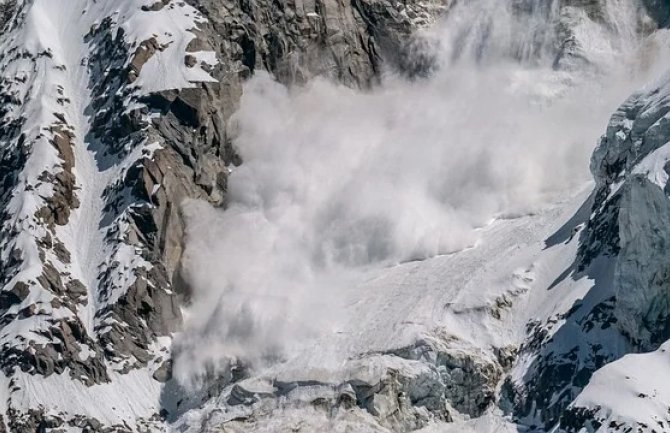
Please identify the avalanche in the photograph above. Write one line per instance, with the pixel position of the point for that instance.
(368, 216)
(408, 249)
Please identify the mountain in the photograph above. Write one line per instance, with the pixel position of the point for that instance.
(364, 216)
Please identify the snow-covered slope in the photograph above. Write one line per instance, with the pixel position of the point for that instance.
(67, 264)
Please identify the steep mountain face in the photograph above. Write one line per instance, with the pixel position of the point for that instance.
(629, 221)
(114, 113)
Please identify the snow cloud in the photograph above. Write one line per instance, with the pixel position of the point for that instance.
(335, 181)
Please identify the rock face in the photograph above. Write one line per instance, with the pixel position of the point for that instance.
(623, 248)
(628, 228)
(630, 168)
(6, 11)
(659, 10)
(298, 40)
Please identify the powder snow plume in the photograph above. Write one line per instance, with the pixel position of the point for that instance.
(335, 180)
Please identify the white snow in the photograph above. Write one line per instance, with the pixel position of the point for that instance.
(653, 166)
(632, 390)
(171, 26)
(445, 298)
(126, 399)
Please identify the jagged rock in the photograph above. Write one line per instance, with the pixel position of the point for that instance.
(148, 310)
(470, 383)
(62, 141)
(143, 53)
(14, 296)
(51, 280)
(296, 41)
(623, 247)
(61, 252)
(638, 130)
(76, 290)
(7, 9)
(164, 372)
(190, 60)
(59, 205)
(659, 10)
(156, 6)
(506, 356)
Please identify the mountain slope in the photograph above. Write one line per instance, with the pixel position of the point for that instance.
(111, 116)
(70, 265)
(630, 168)
(501, 315)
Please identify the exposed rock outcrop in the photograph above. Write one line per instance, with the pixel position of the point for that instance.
(623, 249)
